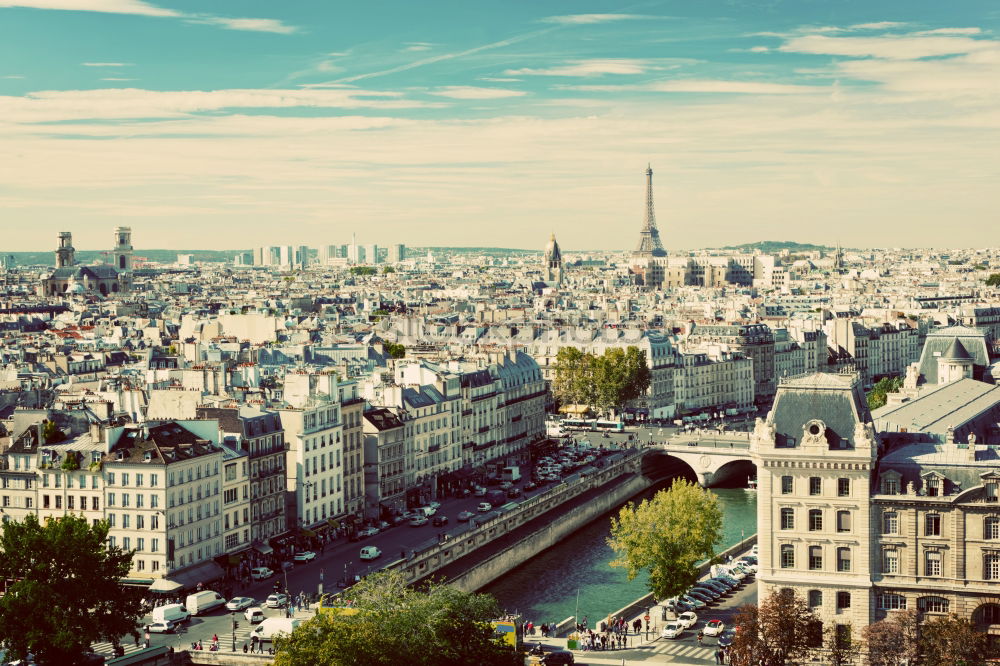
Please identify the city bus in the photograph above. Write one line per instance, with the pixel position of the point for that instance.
(609, 426)
(577, 424)
(333, 604)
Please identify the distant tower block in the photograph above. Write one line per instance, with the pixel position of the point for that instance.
(65, 253)
(649, 237)
(123, 249)
(553, 262)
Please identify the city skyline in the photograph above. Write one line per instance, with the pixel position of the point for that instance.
(874, 124)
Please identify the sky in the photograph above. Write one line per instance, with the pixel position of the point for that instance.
(229, 124)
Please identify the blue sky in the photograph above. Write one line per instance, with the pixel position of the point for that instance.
(233, 124)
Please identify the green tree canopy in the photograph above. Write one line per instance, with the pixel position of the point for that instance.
(66, 593)
(439, 626)
(395, 350)
(878, 396)
(993, 280)
(362, 270)
(893, 640)
(667, 535)
(953, 641)
(388, 269)
(780, 630)
(605, 382)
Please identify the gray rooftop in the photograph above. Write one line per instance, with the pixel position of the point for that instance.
(938, 408)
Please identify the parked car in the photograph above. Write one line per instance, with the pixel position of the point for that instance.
(505, 485)
(479, 491)
(239, 603)
(368, 532)
(465, 516)
(305, 556)
(276, 600)
(714, 627)
(418, 521)
(693, 604)
(484, 507)
(439, 521)
(715, 585)
(513, 492)
(370, 553)
(688, 619)
(531, 485)
(703, 595)
(260, 573)
(729, 580)
(161, 627)
(434, 505)
(671, 629)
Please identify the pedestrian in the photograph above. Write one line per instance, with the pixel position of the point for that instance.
(701, 636)
(244, 647)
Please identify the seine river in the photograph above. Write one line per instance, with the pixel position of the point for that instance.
(545, 588)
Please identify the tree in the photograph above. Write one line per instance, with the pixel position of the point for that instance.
(952, 641)
(667, 535)
(66, 593)
(394, 350)
(993, 280)
(877, 397)
(574, 369)
(780, 631)
(51, 432)
(396, 624)
(388, 269)
(839, 647)
(892, 641)
(621, 375)
(362, 270)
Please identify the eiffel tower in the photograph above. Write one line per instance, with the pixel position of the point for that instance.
(649, 237)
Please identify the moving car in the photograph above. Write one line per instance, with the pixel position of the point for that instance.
(199, 602)
(305, 556)
(368, 532)
(260, 573)
(465, 516)
(531, 485)
(726, 639)
(161, 627)
(434, 505)
(688, 619)
(276, 600)
(175, 613)
(505, 485)
(254, 615)
(671, 629)
(558, 657)
(439, 521)
(370, 553)
(479, 491)
(484, 507)
(714, 628)
(239, 603)
(266, 630)
(418, 521)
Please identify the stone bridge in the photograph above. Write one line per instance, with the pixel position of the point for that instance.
(711, 457)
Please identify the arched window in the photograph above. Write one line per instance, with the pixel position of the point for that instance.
(787, 519)
(787, 556)
(933, 604)
(986, 614)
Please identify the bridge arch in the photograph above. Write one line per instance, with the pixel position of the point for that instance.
(734, 474)
(658, 464)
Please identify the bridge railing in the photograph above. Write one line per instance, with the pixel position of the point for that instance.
(738, 440)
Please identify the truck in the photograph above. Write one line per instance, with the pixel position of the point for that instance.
(512, 474)
(266, 630)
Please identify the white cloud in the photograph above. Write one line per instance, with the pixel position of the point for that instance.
(892, 47)
(106, 64)
(592, 67)
(586, 19)
(878, 25)
(473, 92)
(12, 76)
(116, 78)
(418, 46)
(499, 79)
(951, 31)
(121, 103)
(708, 86)
(140, 8)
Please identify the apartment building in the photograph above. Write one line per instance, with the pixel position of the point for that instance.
(352, 407)
(235, 499)
(755, 341)
(712, 380)
(385, 463)
(314, 460)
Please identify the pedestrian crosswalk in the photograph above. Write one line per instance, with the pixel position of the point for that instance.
(108, 650)
(683, 650)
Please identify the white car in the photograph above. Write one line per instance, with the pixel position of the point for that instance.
(260, 573)
(305, 556)
(254, 615)
(370, 553)
(485, 507)
(161, 627)
(687, 619)
(239, 603)
(434, 505)
(671, 629)
(714, 627)
(276, 600)
(479, 491)
(418, 521)
(368, 532)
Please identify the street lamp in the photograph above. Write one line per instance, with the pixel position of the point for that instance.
(235, 627)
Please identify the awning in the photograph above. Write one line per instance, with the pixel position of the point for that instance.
(332, 523)
(138, 582)
(308, 533)
(263, 549)
(322, 527)
(164, 585)
(199, 573)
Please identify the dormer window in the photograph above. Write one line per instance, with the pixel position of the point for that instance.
(890, 483)
(933, 487)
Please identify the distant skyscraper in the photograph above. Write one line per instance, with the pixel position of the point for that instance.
(649, 237)
(371, 254)
(396, 254)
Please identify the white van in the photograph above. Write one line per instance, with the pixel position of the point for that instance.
(266, 630)
(171, 613)
(199, 602)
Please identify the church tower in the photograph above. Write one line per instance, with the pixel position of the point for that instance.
(65, 253)
(553, 262)
(123, 249)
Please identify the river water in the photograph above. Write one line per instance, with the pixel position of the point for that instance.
(546, 588)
